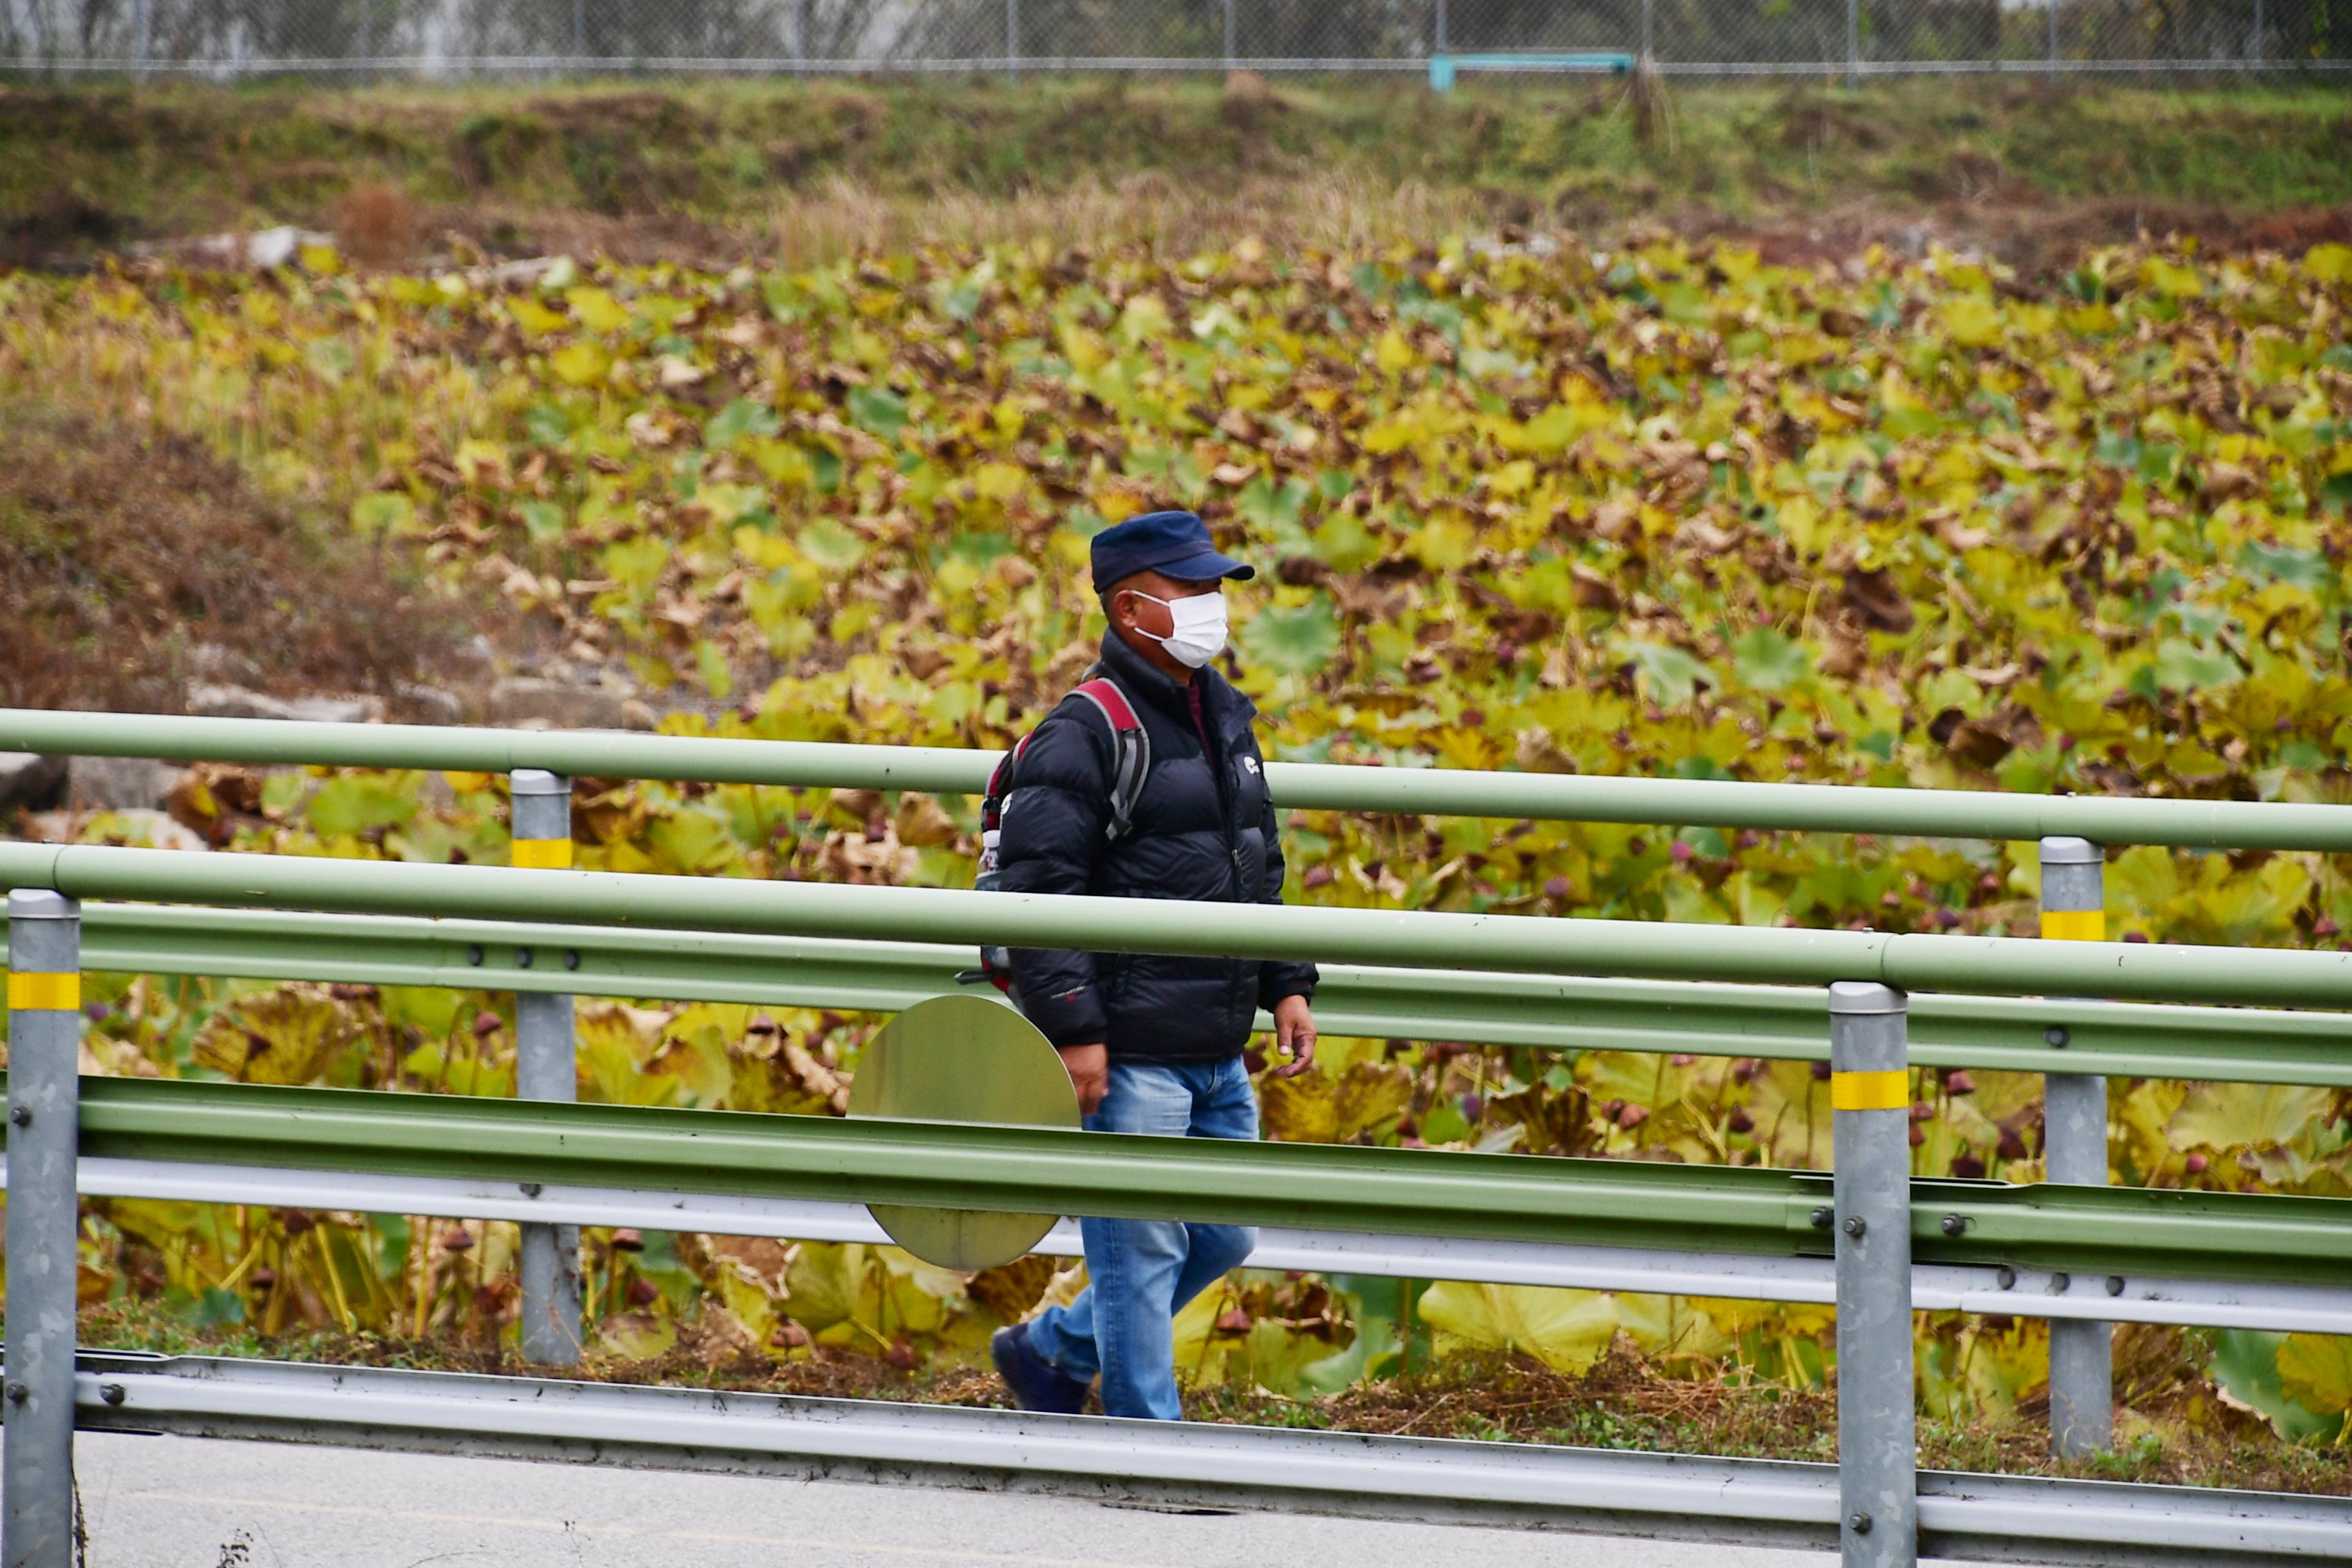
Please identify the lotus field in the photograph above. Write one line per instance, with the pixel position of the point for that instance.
(1672, 509)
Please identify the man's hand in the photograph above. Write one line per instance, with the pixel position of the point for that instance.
(1089, 1070)
(1294, 1031)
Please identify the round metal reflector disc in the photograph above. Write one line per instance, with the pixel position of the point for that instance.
(963, 1058)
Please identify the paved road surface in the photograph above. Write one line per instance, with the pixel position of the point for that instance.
(180, 1502)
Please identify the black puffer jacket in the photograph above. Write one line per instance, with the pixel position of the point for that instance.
(1189, 840)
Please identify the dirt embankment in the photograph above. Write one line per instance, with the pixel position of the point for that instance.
(131, 569)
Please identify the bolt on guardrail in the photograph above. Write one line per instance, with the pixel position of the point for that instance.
(44, 1092)
(1870, 1122)
(545, 1068)
(2074, 1149)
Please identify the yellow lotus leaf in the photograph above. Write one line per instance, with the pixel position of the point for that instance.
(2170, 279)
(578, 364)
(1675, 1328)
(1394, 353)
(2315, 1372)
(1565, 1330)
(2001, 1369)
(2329, 263)
(597, 310)
(923, 822)
(1316, 1108)
(1791, 1108)
(481, 462)
(1795, 1320)
(1971, 320)
(2146, 1116)
(999, 481)
(825, 1283)
(535, 318)
(612, 1047)
(2225, 1117)
(1444, 544)
(289, 1034)
(746, 1295)
(636, 1336)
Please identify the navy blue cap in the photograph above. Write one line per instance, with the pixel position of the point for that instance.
(1173, 543)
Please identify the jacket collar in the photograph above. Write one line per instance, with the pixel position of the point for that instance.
(1220, 705)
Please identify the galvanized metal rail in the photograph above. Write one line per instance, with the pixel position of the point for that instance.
(1489, 942)
(1822, 808)
(2126, 1231)
(2022, 1292)
(1559, 1012)
(1980, 1518)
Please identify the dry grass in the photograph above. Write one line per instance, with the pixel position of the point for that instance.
(125, 565)
(376, 223)
(1174, 217)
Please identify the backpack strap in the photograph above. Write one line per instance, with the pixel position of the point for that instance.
(1131, 750)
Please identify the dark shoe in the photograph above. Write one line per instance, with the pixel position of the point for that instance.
(1031, 1379)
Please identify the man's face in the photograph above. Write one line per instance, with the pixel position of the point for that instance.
(1133, 607)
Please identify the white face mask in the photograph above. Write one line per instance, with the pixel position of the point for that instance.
(1197, 628)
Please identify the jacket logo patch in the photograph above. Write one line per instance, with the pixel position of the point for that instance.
(1251, 764)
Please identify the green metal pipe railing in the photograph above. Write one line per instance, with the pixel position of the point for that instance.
(1422, 941)
(1824, 808)
(1554, 1012)
(1497, 1197)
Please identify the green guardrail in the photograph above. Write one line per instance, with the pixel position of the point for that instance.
(1555, 1012)
(1497, 1197)
(1485, 942)
(1823, 808)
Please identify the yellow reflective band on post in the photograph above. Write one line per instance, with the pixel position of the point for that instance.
(43, 992)
(2074, 925)
(543, 854)
(1870, 1090)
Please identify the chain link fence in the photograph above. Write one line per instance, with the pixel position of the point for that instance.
(228, 38)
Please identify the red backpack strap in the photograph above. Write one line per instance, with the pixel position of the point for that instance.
(999, 780)
(1131, 750)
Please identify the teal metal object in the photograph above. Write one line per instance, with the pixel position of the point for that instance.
(1448, 792)
(2015, 1034)
(1443, 67)
(1484, 943)
(1499, 1197)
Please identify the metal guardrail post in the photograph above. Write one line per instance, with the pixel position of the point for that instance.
(44, 1103)
(545, 1068)
(1233, 58)
(1013, 40)
(2075, 1150)
(1870, 1101)
(1853, 42)
(2054, 39)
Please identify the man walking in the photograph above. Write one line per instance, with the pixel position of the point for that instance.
(1153, 1043)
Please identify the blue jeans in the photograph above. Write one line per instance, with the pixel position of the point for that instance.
(1141, 1273)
